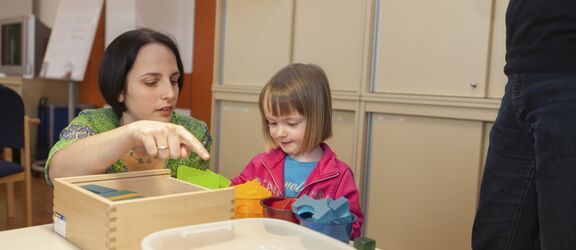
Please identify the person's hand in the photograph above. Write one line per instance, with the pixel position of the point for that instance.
(165, 140)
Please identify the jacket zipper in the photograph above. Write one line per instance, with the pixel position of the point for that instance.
(271, 175)
(316, 181)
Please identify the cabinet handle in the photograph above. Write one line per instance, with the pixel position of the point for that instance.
(474, 85)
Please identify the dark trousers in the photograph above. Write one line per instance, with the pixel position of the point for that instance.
(528, 193)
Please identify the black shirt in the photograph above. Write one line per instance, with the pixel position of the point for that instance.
(541, 36)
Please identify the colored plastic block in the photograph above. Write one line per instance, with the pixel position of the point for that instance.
(318, 209)
(98, 189)
(121, 195)
(323, 210)
(340, 206)
(205, 178)
(302, 206)
(341, 210)
(251, 190)
(116, 193)
(247, 197)
(364, 243)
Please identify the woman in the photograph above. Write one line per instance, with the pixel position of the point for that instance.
(141, 75)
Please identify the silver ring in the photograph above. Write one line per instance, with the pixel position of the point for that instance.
(162, 147)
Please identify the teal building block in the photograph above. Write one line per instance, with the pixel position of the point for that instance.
(302, 206)
(318, 210)
(322, 211)
(98, 189)
(341, 209)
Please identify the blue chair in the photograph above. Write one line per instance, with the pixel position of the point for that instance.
(14, 135)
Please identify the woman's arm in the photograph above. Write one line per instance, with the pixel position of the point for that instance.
(94, 154)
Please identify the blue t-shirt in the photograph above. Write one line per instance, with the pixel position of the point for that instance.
(295, 175)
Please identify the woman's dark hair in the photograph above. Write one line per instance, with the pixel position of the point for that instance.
(119, 58)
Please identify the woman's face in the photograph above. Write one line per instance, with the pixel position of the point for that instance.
(151, 86)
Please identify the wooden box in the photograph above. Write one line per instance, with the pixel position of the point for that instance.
(91, 221)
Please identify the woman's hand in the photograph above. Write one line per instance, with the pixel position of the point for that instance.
(165, 140)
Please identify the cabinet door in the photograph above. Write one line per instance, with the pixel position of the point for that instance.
(432, 47)
(342, 141)
(239, 136)
(497, 79)
(422, 181)
(335, 41)
(256, 40)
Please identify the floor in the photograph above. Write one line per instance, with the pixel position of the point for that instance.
(41, 205)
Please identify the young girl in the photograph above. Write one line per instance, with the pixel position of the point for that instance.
(296, 119)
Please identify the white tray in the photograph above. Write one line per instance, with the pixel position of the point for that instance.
(260, 233)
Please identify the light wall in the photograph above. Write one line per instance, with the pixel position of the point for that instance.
(14, 8)
(46, 11)
(173, 17)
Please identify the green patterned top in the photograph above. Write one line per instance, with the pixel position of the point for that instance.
(94, 121)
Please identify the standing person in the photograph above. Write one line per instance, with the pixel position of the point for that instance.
(141, 75)
(528, 192)
(296, 110)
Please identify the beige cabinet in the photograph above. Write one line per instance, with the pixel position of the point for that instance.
(432, 47)
(415, 86)
(256, 40)
(423, 176)
(238, 137)
(496, 78)
(343, 128)
(335, 41)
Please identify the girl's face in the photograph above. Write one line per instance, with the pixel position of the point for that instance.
(287, 131)
(151, 86)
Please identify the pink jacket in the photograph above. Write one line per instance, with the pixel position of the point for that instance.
(331, 178)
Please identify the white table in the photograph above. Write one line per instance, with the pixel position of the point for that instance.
(37, 237)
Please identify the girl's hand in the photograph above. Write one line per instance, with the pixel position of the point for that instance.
(165, 140)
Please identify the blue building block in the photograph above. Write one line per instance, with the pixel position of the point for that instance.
(302, 207)
(98, 189)
(323, 213)
(341, 208)
(318, 210)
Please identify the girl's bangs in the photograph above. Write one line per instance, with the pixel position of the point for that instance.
(280, 104)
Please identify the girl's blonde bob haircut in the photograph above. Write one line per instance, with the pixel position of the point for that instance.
(301, 88)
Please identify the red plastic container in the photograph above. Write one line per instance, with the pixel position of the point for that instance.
(279, 208)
